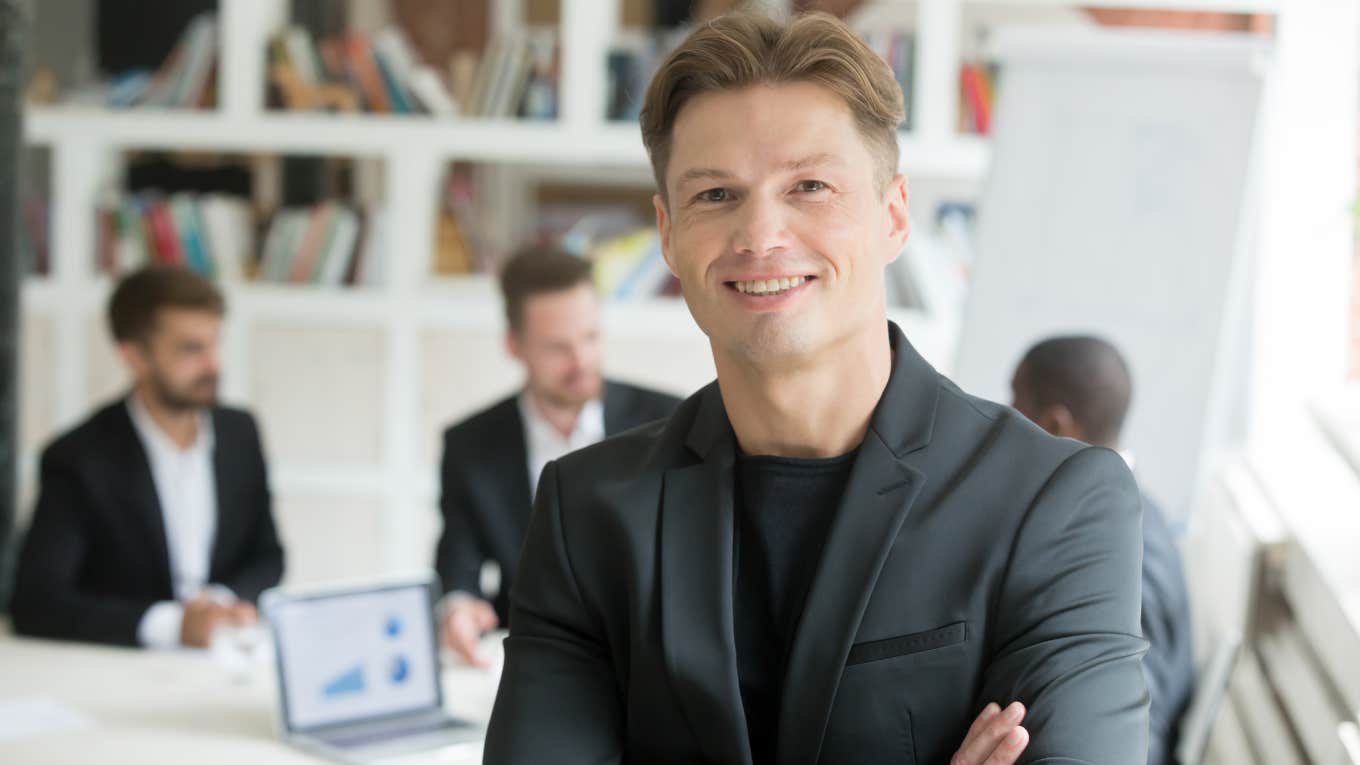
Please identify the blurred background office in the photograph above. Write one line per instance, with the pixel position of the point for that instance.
(1176, 176)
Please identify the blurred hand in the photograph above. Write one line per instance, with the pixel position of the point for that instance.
(466, 620)
(243, 613)
(996, 737)
(204, 614)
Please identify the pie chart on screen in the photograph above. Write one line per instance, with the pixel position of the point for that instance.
(401, 669)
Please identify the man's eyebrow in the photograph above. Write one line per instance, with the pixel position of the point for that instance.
(702, 173)
(793, 165)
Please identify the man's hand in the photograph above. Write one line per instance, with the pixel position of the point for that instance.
(996, 737)
(204, 614)
(464, 623)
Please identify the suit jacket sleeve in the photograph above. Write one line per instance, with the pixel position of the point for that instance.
(558, 699)
(459, 557)
(1066, 638)
(262, 565)
(48, 601)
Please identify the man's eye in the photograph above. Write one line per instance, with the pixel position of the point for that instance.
(714, 195)
(811, 186)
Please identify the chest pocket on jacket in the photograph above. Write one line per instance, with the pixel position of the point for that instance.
(871, 720)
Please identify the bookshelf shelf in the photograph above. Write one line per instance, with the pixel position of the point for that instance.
(613, 144)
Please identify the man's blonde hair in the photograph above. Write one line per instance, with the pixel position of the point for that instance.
(743, 49)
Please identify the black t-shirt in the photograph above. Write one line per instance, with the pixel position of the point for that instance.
(784, 508)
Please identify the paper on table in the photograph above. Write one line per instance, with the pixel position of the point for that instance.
(37, 716)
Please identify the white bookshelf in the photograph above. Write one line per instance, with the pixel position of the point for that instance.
(426, 351)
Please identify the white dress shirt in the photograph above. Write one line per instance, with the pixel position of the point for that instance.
(187, 489)
(545, 443)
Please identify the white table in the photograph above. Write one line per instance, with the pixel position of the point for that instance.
(152, 707)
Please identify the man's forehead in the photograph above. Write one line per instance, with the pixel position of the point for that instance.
(765, 128)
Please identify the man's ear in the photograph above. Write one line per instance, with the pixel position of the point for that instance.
(134, 358)
(663, 229)
(512, 345)
(899, 221)
(1058, 420)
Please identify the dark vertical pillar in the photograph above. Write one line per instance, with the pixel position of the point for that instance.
(13, 29)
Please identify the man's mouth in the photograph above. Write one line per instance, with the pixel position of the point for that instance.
(769, 287)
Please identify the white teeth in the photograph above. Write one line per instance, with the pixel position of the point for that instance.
(768, 286)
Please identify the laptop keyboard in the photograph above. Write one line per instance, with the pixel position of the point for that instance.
(351, 739)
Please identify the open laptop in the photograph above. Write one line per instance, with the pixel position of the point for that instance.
(358, 673)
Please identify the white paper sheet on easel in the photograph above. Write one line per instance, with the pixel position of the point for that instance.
(35, 716)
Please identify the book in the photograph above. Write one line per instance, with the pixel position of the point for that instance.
(340, 248)
(364, 68)
(228, 227)
(183, 210)
(310, 245)
(163, 234)
(977, 97)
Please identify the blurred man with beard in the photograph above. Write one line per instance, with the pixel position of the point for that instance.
(492, 459)
(153, 524)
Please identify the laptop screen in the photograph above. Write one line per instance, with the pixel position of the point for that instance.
(355, 656)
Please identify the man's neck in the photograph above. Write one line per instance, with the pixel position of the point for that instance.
(180, 425)
(561, 417)
(820, 407)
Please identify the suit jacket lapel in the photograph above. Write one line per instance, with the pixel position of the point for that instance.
(143, 501)
(512, 465)
(882, 487)
(227, 472)
(876, 501)
(696, 588)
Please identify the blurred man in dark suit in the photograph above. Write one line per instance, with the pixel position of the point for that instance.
(153, 525)
(1080, 387)
(493, 458)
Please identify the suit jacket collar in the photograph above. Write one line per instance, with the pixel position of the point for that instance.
(903, 420)
(697, 571)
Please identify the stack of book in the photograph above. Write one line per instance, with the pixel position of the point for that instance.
(630, 266)
(216, 235)
(187, 79)
(897, 48)
(213, 234)
(327, 244)
(515, 77)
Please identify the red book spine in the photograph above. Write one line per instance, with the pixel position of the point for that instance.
(975, 91)
(163, 231)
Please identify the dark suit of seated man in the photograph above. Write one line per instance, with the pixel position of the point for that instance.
(492, 459)
(1080, 387)
(832, 554)
(153, 523)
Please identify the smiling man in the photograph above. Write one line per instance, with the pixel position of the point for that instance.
(832, 554)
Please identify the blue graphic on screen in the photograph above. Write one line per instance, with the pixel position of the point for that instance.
(356, 655)
(350, 681)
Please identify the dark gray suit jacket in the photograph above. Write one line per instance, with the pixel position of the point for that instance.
(484, 486)
(973, 558)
